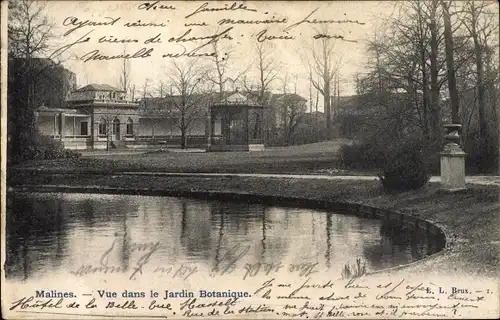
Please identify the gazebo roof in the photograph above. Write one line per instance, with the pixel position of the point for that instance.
(237, 99)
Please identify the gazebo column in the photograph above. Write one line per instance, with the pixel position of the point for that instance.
(210, 127)
(56, 125)
(261, 126)
(246, 125)
(93, 132)
(222, 125)
(61, 128)
(226, 128)
(213, 117)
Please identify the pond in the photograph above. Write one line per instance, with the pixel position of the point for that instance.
(53, 232)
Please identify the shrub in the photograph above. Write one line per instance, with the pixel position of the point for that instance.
(46, 148)
(354, 271)
(405, 167)
(365, 155)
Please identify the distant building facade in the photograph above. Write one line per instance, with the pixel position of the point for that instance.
(96, 116)
(99, 117)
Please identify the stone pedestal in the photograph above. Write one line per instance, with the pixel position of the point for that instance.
(452, 168)
(452, 161)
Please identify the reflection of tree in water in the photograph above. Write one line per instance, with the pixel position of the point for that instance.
(238, 226)
(36, 236)
(400, 244)
(116, 213)
(231, 220)
(169, 220)
(105, 209)
(39, 224)
(125, 244)
(196, 229)
(274, 242)
(86, 207)
(328, 239)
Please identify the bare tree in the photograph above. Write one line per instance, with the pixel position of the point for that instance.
(325, 64)
(29, 37)
(29, 30)
(218, 75)
(291, 106)
(435, 42)
(308, 64)
(267, 67)
(145, 89)
(481, 23)
(125, 73)
(132, 92)
(161, 89)
(450, 63)
(267, 72)
(413, 61)
(185, 99)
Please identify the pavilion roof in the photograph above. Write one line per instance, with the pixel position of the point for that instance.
(45, 109)
(237, 99)
(99, 87)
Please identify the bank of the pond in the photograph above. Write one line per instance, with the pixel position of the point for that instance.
(469, 219)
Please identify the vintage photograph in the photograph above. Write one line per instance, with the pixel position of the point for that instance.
(250, 159)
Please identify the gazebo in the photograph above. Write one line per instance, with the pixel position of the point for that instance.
(235, 125)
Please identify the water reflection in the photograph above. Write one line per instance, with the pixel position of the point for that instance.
(64, 231)
(399, 242)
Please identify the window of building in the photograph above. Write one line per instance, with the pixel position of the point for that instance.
(84, 128)
(102, 127)
(116, 127)
(130, 127)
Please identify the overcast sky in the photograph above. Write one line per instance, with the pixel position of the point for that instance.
(70, 14)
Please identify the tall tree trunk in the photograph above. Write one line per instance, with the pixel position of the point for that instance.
(326, 89)
(435, 105)
(183, 132)
(425, 89)
(450, 65)
(478, 52)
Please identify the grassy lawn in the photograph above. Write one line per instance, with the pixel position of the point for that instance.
(311, 158)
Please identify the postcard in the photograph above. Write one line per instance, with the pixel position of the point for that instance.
(250, 159)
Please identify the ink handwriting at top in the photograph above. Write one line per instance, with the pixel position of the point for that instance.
(64, 48)
(195, 52)
(196, 24)
(139, 23)
(333, 36)
(183, 38)
(273, 20)
(233, 7)
(263, 36)
(95, 55)
(314, 21)
(154, 5)
(74, 21)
